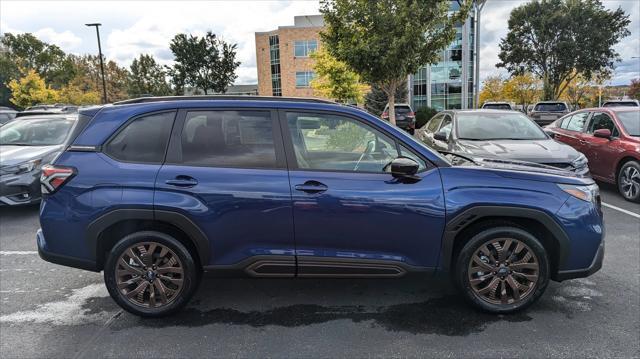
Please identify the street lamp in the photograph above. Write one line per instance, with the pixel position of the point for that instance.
(477, 9)
(104, 85)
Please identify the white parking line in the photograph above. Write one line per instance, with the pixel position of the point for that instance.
(9, 253)
(621, 210)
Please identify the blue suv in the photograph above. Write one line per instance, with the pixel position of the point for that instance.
(155, 191)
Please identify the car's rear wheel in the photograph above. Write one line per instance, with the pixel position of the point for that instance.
(629, 181)
(150, 274)
(502, 269)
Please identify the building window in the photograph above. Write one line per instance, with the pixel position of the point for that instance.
(303, 78)
(274, 55)
(304, 48)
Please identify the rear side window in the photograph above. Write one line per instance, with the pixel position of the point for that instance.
(142, 140)
(228, 139)
(575, 122)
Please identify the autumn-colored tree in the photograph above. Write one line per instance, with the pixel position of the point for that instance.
(522, 89)
(576, 90)
(634, 89)
(492, 89)
(30, 90)
(336, 80)
(74, 95)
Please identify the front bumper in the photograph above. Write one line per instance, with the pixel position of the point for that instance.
(20, 189)
(595, 266)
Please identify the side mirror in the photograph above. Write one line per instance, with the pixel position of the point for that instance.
(440, 136)
(550, 133)
(403, 168)
(602, 133)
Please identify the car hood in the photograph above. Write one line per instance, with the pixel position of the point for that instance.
(12, 155)
(538, 151)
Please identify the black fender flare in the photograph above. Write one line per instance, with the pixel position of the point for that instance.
(473, 214)
(193, 232)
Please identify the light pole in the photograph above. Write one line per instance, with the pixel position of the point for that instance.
(104, 85)
(477, 8)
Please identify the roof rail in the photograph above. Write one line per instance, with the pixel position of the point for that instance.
(220, 98)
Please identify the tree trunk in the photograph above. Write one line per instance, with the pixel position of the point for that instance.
(392, 107)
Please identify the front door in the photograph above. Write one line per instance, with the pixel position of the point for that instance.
(350, 216)
(601, 151)
(226, 171)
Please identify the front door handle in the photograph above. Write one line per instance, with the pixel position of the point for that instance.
(182, 181)
(311, 187)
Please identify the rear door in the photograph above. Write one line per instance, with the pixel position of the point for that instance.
(350, 216)
(225, 170)
(570, 130)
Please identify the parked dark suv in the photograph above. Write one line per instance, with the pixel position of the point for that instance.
(546, 112)
(155, 191)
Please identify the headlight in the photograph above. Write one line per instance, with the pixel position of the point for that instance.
(580, 162)
(589, 193)
(23, 167)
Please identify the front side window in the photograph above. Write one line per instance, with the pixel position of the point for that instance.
(433, 124)
(601, 121)
(142, 140)
(228, 139)
(303, 78)
(576, 123)
(304, 48)
(331, 142)
(37, 132)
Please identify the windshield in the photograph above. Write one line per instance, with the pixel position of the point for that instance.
(497, 126)
(551, 107)
(630, 121)
(497, 106)
(620, 104)
(40, 132)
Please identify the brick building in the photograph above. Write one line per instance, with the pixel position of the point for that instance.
(282, 57)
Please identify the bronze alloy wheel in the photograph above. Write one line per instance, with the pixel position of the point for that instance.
(149, 274)
(503, 271)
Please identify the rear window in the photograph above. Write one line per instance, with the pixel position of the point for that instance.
(497, 106)
(550, 107)
(620, 104)
(143, 140)
(402, 110)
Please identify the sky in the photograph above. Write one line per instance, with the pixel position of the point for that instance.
(131, 28)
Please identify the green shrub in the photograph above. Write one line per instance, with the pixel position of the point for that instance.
(424, 114)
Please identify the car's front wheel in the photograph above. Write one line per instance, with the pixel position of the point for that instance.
(150, 274)
(502, 269)
(629, 181)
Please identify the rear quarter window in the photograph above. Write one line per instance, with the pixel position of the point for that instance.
(144, 139)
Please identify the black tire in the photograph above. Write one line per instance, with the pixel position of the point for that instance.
(190, 276)
(487, 237)
(411, 131)
(629, 188)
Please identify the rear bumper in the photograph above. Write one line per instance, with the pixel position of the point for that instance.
(61, 259)
(595, 266)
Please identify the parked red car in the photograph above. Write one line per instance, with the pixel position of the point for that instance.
(610, 139)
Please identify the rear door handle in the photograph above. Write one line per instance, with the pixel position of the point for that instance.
(182, 181)
(311, 187)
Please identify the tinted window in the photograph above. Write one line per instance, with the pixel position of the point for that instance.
(228, 139)
(330, 142)
(497, 106)
(601, 121)
(36, 132)
(405, 152)
(575, 122)
(142, 140)
(494, 126)
(402, 110)
(630, 121)
(550, 107)
(620, 104)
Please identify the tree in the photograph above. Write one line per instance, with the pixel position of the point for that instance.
(492, 89)
(634, 89)
(576, 91)
(386, 40)
(335, 79)
(147, 77)
(49, 61)
(74, 95)
(206, 63)
(31, 90)
(558, 40)
(376, 99)
(522, 89)
(89, 77)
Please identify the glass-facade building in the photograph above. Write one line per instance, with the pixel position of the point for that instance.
(449, 83)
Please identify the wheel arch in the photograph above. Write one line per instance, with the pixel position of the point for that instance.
(622, 162)
(104, 232)
(461, 228)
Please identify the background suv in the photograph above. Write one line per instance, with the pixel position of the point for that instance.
(405, 117)
(546, 112)
(610, 138)
(154, 191)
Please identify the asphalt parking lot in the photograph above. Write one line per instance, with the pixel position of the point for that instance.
(52, 311)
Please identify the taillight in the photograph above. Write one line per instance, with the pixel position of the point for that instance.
(411, 114)
(53, 177)
(385, 114)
